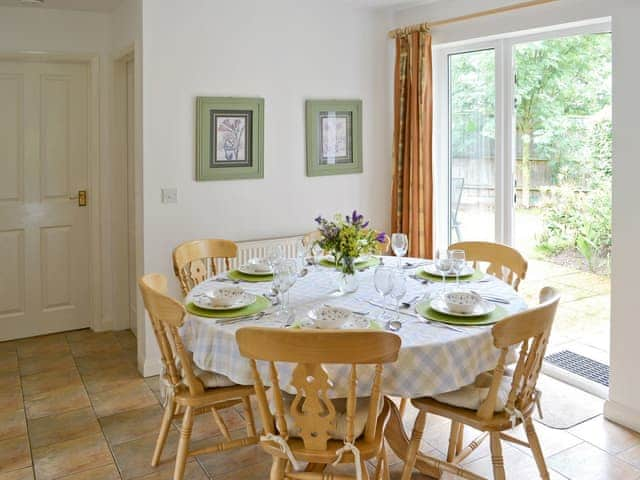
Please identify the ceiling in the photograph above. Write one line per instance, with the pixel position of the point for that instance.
(387, 3)
(88, 5)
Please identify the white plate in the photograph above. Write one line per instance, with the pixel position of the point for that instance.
(203, 301)
(248, 270)
(482, 308)
(432, 270)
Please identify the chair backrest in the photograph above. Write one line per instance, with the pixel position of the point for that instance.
(194, 261)
(505, 262)
(167, 315)
(312, 410)
(529, 329)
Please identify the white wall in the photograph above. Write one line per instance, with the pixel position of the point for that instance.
(624, 394)
(284, 51)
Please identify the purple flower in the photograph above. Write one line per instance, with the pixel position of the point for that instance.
(365, 224)
(381, 237)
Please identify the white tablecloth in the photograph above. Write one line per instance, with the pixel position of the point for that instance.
(432, 359)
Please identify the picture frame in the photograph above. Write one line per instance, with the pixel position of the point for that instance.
(334, 137)
(229, 138)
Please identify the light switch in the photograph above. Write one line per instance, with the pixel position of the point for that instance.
(169, 195)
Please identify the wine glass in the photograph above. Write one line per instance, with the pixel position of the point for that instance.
(399, 245)
(443, 265)
(275, 254)
(399, 290)
(383, 282)
(301, 256)
(458, 262)
(285, 274)
(316, 252)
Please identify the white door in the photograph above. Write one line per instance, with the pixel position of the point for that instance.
(44, 234)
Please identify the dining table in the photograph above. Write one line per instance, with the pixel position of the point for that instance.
(434, 358)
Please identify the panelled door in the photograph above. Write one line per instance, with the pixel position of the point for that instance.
(44, 232)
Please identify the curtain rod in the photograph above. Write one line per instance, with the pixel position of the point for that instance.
(425, 27)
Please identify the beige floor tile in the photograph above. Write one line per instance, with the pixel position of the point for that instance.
(22, 474)
(96, 362)
(8, 361)
(14, 454)
(46, 363)
(33, 385)
(134, 457)
(67, 426)
(126, 338)
(105, 343)
(217, 464)
(192, 471)
(109, 378)
(551, 440)
(135, 394)
(42, 345)
(606, 435)
(12, 424)
(9, 380)
(631, 455)
(85, 334)
(57, 401)
(10, 399)
(64, 458)
(9, 346)
(586, 462)
(106, 472)
(204, 426)
(132, 424)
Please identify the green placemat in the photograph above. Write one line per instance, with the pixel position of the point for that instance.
(477, 275)
(426, 311)
(244, 277)
(261, 303)
(372, 262)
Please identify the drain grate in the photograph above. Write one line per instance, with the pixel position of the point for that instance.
(580, 365)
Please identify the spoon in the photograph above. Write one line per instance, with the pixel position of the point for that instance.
(394, 325)
(410, 302)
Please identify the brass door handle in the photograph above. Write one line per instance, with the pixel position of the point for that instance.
(81, 197)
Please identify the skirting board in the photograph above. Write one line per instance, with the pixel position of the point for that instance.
(625, 416)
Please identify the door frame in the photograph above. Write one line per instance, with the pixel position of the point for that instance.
(97, 321)
(505, 132)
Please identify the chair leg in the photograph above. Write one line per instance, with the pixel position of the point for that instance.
(414, 445)
(251, 424)
(164, 431)
(403, 406)
(221, 425)
(496, 456)
(183, 444)
(277, 468)
(453, 440)
(460, 444)
(363, 468)
(534, 444)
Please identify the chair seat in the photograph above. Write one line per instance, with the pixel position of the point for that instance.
(472, 396)
(340, 404)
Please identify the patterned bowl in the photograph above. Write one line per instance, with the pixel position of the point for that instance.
(328, 316)
(259, 265)
(461, 302)
(225, 296)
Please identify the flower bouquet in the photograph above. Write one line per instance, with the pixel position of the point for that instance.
(348, 238)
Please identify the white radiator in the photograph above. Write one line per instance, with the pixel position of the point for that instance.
(258, 248)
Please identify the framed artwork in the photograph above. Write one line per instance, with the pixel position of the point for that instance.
(334, 137)
(229, 138)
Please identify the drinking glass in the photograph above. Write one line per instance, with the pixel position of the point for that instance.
(316, 252)
(399, 290)
(285, 274)
(301, 256)
(443, 265)
(275, 254)
(383, 282)
(458, 262)
(399, 245)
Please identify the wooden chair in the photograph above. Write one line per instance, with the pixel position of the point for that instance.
(306, 432)
(517, 394)
(505, 262)
(189, 392)
(195, 261)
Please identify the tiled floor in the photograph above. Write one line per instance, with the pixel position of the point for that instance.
(73, 406)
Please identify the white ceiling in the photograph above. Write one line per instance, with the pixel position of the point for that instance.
(388, 3)
(88, 5)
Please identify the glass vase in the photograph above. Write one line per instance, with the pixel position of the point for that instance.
(348, 282)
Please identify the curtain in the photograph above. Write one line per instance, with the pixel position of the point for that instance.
(412, 185)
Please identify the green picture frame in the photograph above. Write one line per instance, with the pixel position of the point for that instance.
(334, 137)
(229, 138)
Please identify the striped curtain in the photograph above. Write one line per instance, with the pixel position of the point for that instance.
(412, 190)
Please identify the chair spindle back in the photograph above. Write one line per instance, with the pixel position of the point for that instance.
(194, 261)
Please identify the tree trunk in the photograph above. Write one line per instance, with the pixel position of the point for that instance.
(526, 168)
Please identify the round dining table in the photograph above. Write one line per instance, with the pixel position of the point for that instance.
(434, 357)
